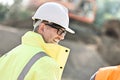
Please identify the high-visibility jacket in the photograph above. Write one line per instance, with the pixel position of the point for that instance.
(108, 73)
(46, 68)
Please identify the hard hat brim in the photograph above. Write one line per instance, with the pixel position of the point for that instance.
(70, 30)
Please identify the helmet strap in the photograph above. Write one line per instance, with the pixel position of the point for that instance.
(36, 24)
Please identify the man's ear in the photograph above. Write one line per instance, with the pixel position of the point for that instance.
(41, 28)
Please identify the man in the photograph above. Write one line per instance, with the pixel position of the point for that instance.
(39, 57)
(107, 73)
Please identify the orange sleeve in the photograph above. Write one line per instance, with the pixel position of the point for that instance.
(108, 73)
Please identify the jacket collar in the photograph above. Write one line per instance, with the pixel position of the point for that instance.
(58, 52)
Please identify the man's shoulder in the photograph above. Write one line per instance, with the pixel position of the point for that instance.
(110, 68)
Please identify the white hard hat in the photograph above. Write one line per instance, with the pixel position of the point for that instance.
(54, 12)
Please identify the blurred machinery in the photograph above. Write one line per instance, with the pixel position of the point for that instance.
(80, 10)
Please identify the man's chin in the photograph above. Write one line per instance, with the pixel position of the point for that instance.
(56, 42)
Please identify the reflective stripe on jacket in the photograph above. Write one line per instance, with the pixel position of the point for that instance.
(46, 68)
(108, 73)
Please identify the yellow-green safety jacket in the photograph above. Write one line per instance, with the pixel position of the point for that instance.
(46, 68)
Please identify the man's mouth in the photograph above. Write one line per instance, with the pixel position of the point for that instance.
(56, 41)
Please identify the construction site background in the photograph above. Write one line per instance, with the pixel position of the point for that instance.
(96, 42)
